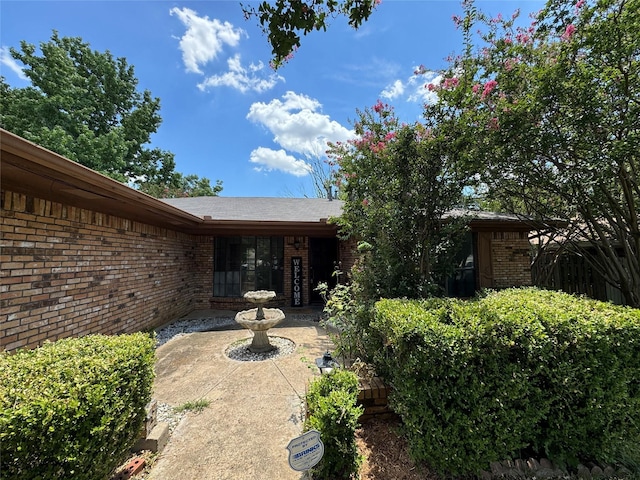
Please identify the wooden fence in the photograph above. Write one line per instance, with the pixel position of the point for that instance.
(572, 273)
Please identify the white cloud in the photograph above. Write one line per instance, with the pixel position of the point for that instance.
(417, 85)
(8, 61)
(297, 124)
(268, 160)
(395, 90)
(204, 39)
(241, 78)
(414, 89)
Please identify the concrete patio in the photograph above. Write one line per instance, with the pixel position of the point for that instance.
(256, 408)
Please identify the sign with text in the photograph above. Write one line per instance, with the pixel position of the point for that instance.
(296, 281)
(305, 451)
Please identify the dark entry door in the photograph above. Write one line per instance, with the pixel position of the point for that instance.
(323, 257)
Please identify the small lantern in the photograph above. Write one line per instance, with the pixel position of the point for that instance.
(326, 363)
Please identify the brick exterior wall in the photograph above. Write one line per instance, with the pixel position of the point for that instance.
(67, 271)
(348, 255)
(511, 258)
(202, 276)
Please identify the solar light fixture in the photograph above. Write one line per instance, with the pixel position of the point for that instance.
(326, 363)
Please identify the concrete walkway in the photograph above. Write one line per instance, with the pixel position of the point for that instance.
(255, 410)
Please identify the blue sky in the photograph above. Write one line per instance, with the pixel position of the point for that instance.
(226, 114)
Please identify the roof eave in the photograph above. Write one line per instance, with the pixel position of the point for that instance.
(33, 170)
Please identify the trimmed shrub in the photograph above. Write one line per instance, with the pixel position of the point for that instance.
(520, 370)
(331, 409)
(73, 408)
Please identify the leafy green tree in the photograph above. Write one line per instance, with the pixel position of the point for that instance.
(399, 181)
(284, 20)
(85, 105)
(552, 114)
(182, 186)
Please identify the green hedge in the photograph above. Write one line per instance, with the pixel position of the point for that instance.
(331, 409)
(71, 409)
(520, 370)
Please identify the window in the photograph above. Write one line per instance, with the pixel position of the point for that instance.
(462, 283)
(242, 264)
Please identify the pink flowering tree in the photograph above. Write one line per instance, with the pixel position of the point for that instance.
(398, 181)
(552, 116)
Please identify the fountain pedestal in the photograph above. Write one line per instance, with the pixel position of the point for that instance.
(259, 320)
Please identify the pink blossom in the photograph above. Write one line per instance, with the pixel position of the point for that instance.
(378, 107)
(522, 38)
(431, 87)
(580, 4)
(389, 136)
(476, 88)
(569, 32)
(365, 203)
(488, 88)
(494, 124)
(457, 20)
(377, 147)
(509, 63)
(450, 82)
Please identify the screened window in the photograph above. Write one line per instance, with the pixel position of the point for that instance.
(242, 264)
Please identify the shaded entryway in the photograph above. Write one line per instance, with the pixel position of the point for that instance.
(323, 261)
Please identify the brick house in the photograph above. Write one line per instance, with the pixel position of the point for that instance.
(82, 253)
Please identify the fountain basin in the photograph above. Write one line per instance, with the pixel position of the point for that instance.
(247, 318)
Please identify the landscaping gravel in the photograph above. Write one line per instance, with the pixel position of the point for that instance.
(182, 327)
(283, 346)
(166, 413)
(189, 325)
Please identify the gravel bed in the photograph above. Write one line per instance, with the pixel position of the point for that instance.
(166, 413)
(190, 325)
(240, 350)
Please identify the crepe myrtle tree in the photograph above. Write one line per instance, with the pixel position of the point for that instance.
(283, 21)
(398, 181)
(551, 110)
(85, 105)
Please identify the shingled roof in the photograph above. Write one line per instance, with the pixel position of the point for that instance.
(259, 209)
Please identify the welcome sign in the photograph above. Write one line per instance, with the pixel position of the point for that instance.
(296, 281)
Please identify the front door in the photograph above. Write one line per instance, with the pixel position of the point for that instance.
(323, 258)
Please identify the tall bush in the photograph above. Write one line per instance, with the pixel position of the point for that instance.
(73, 408)
(516, 371)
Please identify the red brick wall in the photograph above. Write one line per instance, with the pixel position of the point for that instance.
(511, 256)
(67, 271)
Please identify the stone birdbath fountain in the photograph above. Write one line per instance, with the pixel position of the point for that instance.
(259, 320)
